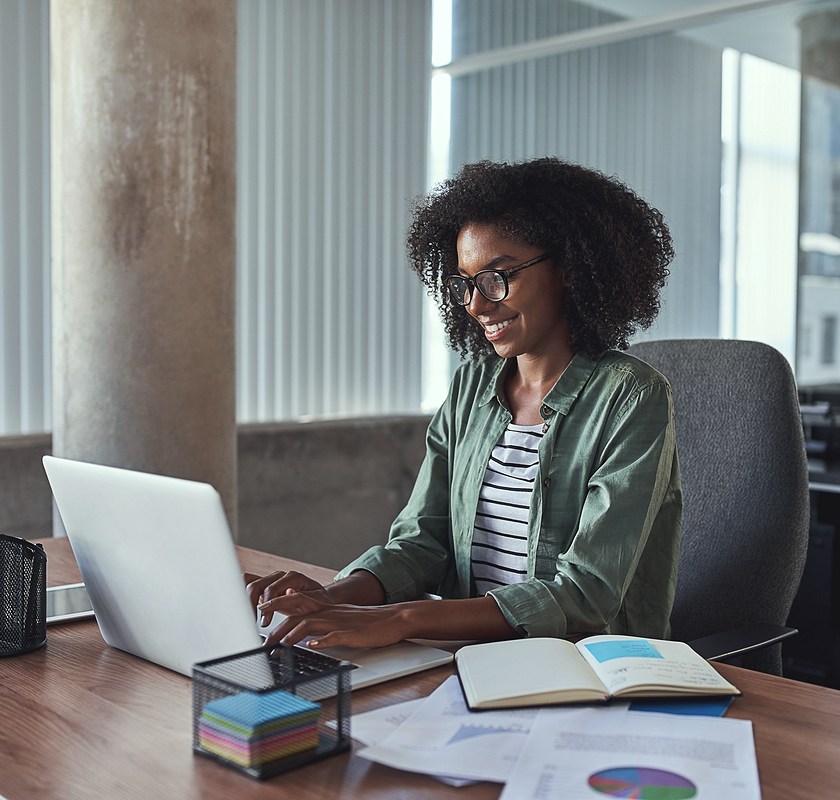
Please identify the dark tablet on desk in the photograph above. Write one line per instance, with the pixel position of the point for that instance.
(68, 603)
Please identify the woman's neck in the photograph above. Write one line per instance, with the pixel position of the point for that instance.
(540, 373)
(528, 382)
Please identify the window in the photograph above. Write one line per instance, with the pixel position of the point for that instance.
(828, 343)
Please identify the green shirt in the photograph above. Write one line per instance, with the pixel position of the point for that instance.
(604, 526)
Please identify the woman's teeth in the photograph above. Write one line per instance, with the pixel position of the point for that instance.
(497, 326)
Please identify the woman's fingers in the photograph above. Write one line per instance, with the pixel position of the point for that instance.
(293, 603)
(255, 585)
(309, 614)
(293, 630)
(332, 625)
(278, 584)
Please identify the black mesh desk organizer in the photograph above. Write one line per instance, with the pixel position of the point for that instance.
(23, 596)
(269, 710)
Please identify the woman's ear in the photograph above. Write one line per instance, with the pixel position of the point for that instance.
(567, 284)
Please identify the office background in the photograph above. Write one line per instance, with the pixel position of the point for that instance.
(345, 111)
(333, 143)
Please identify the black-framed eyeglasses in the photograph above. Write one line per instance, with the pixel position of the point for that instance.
(491, 283)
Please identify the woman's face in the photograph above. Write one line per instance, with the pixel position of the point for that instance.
(530, 320)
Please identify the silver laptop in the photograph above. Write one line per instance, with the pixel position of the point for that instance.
(159, 564)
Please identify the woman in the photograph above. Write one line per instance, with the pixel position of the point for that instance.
(548, 503)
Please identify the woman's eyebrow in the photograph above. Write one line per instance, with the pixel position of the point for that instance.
(492, 263)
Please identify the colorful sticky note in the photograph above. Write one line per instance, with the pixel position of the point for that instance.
(252, 711)
(627, 648)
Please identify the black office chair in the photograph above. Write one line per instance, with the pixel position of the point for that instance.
(745, 492)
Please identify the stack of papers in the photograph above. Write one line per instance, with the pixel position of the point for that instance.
(251, 729)
(564, 751)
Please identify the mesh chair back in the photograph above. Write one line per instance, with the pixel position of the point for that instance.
(745, 486)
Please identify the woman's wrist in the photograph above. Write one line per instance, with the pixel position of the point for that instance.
(360, 588)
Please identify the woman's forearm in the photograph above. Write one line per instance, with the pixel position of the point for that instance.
(476, 618)
(353, 612)
(353, 625)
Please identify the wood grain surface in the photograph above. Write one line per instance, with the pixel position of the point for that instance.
(83, 720)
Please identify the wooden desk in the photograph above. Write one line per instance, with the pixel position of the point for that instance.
(81, 720)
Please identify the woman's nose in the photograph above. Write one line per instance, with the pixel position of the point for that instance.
(478, 303)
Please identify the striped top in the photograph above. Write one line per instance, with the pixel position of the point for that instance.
(500, 538)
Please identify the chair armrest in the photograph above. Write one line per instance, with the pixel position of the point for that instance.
(737, 641)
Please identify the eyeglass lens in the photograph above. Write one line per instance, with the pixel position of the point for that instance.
(490, 283)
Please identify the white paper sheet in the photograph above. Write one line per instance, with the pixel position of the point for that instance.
(443, 737)
(371, 727)
(586, 753)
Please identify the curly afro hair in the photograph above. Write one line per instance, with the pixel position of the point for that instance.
(612, 246)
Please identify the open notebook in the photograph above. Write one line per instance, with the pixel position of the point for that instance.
(158, 560)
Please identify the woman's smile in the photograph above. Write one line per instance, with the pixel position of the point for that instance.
(494, 330)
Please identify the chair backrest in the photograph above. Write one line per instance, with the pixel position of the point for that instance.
(745, 486)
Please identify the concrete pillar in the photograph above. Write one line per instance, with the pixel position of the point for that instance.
(818, 357)
(143, 216)
(820, 54)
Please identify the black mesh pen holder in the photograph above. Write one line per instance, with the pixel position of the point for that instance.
(23, 596)
(272, 709)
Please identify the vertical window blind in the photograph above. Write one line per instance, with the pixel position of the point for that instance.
(645, 110)
(332, 128)
(332, 109)
(24, 217)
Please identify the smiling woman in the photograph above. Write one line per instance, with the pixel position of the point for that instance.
(613, 248)
(549, 500)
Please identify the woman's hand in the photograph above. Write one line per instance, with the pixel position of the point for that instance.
(265, 589)
(352, 612)
(332, 624)
(326, 624)
(360, 588)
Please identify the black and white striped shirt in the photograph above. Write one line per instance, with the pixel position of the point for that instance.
(500, 538)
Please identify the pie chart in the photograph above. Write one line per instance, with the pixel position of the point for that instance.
(642, 783)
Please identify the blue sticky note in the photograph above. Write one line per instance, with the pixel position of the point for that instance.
(251, 710)
(627, 648)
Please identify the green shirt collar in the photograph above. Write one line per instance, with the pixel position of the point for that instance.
(562, 395)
